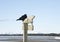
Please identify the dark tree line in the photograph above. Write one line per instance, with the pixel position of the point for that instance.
(51, 34)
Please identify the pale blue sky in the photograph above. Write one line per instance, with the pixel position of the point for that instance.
(47, 15)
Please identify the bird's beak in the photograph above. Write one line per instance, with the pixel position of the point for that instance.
(17, 19)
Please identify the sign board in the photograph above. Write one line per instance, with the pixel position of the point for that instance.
(29, 21)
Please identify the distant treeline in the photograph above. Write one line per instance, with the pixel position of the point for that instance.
(51, 34)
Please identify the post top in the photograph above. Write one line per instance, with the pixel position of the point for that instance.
(29, 19)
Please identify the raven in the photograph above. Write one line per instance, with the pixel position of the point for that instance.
(23, 17)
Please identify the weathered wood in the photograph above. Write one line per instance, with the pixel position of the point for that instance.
(25, 32)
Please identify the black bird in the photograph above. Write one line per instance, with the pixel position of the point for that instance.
(23, 17)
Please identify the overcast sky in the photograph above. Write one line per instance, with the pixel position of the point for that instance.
(46, 12)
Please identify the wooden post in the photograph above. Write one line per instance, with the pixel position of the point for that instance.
(25, 32)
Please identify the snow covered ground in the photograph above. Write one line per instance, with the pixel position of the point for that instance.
(30, 39)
